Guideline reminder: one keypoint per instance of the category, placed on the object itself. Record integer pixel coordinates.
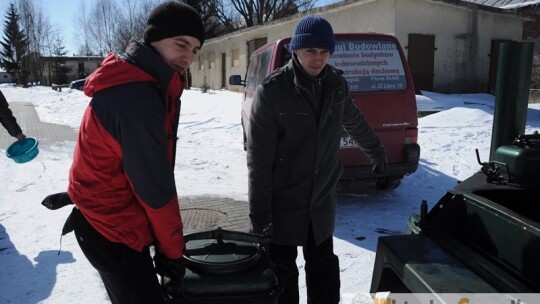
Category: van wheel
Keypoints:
(245, 139)
(388, 183)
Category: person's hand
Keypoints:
(174, 269)
(56, 201)
(379, 164)
(264, 229)
(261, 226)
(20, 136)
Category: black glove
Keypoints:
(174, 269)
(56, 201)
(379, 164)
(20, 136)
(260, 226)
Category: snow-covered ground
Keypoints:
(211, 161)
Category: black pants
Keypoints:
(128, 275)
(322, 272)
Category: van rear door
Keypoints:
(381, 85)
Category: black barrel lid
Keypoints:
(221, 255)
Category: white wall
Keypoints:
(463, 38)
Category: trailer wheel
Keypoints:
(388, 183)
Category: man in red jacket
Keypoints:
(122, 179)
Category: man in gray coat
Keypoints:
(295, 128)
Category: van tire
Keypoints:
(388, 183)
(245, 139)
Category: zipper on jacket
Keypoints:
(293, 113)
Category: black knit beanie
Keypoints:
(313, 32)
(171, 19)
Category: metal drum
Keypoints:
(225, 267)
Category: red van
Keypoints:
(381, 84)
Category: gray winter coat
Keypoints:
(293, 156)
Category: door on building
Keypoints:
(421, 55)
(254, 44)
(223, 70)
(493, 64)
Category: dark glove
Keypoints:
(260, 226)
(174, 269)
(379, 164)
(20, 136)
(56, 201)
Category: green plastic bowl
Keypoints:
(23, 151)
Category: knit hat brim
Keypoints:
(171, 19)
(313, 32)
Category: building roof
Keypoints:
(505, 4)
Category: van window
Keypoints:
(370, 65)
(264, 63)
(286, 55)
(250, 76)
(258, 69)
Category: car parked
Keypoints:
(77, 84)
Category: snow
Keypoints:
(520, 4)
(211, 161)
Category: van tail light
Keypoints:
(411, 136)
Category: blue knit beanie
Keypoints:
(313, 32)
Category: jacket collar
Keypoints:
(138, 63)
(301, 77)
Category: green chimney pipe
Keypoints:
(512, 96)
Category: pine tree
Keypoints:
(15, 47)
(59, 67)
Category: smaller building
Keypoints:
(5, 77)
(74, 67)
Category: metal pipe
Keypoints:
(512, 95)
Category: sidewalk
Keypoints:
(28, 120)
(198, 213)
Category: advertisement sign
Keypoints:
(370, 65)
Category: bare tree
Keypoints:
(133, 21)
(38, 30)
(109, 25)
(103, 25)
(236, 14)
(212, 25)
(81, 22)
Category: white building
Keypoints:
(451, 45)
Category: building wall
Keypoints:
(5, 77)
(89, 64)
(463, 37)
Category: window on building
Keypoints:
(235, 62)
(201, 62)
(80, 68)
(212, 60)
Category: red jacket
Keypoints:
(122, 177)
